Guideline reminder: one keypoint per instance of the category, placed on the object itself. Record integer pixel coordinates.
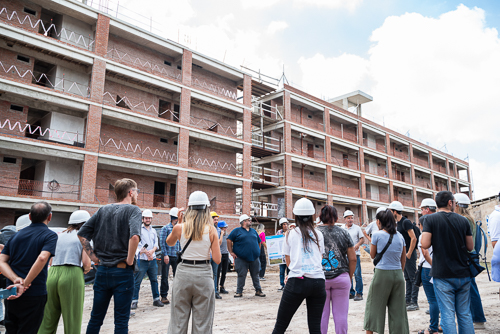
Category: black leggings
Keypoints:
(296, 290)
(263, 261)
(224, 262)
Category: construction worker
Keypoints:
(370, 229)
(215, 266)
(169, 253)
(146, 260)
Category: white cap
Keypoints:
(293, 224)
(22, 222)
(79, 216)
(174, 212)
(348, 213)
(198, 198)
(428, 202)
(283, 220)
(396, 206)
(462, 200)
(147, 214)
(244, 217)
(304, 207)
(382, 208)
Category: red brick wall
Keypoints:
(18, 7)
(140, 142)
(225, 197)
(10, 64)
(145, 59)
(212, 159)
(316, 122)
(355, 208)
(204, 119)
(338, 159)
(318, 152)
(7, 217)
(9, 175)
(101, 35)
(312, 182)
(13, 117)
(203, 79)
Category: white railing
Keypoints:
(268, 143)
(264, 109)
(266, 175)
(263, 209)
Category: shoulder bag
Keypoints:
(473, 258)
(179, 254)
(418, 275)
(378, 257)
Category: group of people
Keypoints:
(320, 261)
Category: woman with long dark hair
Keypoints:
(387, 290)
(303, 249)
(339, 263)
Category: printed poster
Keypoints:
(274, 249)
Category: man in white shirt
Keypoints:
(494, 224)
(357, 239)
(370, 229)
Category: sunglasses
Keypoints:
(136, 189)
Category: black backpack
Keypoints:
(417, 231)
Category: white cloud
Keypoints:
(259, 4)
(348, 4)
(276, 26)
(483, 186)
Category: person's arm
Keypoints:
(87, 247)
(215, 246)
(351, 256)
(221, 237)
(230, 248)
(87, 264)
(367, 236)
(403, 258)
(361, 240)
(493, 243)
(373, 251)
(413, 242)
(174, 235)
(427, 255)
(6, 270)
(287, 260)
(426, 240)
(132, 246)
(163, 239)
(469, 242)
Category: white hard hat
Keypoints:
(304, 207)
(382, 208)
(22, 222)
(428, 202)
(244, 217)
(293, 224)
(283, 220)
(396, 206)
(198, 198)
(462, 200)
(174, 212)
(348, 213)
(147, 214)
(79, 216)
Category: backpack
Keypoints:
(478, 244)
(417, 231)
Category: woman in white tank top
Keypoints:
(194, 290)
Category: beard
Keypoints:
(134, 201)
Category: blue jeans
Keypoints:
(282, 274)
(119, 284)
(431, 298)
(358, 278)
(476, 306)
(453, 296)
(150, 267)
(215, 266)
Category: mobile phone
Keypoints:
(6, 293)
(145, 246)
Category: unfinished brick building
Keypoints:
(86, 98)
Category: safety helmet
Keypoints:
(243, 217)
(303, 207)
(396, 206)
(23, 221)
(382, 208)
(428, 203)
(79, 216)
(283, 220)
(174, 212)
(198, 200)
(147, 214)
(221, 224)
(293, 224)
(213, 214)
(462, 200)
(348, 213)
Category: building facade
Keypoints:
(86, 99)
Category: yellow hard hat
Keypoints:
(214, 214)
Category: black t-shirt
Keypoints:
(405, 225)
(24, 248)
(337, 240)
(111, 228)
(449, 260)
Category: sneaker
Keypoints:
(217, 296)
(165, 301)
(222, 290)
(158, 303)
(281, 288)
(134, 305)
(262, 278)
(428, 312)
(479, 325)
(351, 296)
(238, 295)
(132, 314)
(412, 307)
(358, 297)
(259, 293)
(408, 303)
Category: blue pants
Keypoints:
(358, 278)
(431, 298)
(119, 284)
(150, 267)
(453, 296)
(215, 266)
(283, 268)
(476, 306)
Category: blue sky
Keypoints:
(432, 67)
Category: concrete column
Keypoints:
(416, 215)
(328, 150)
(455, 170)
(431, 165)
(287, 137)
(362, 191)
(246, 197)
(360, 133)
(181, 189)
(391, 191)
(326, 121)
(89, 176)
(187, 67)
(457, 187)
(247, 162)
(447, 167)
(102, 35)
(387, 144)
(97, 80)
(288, 170)
(449, 184)
(415, 200)
(329, 200)
(413, 175)
(329, 179)
(364, 214)
(410, 151)
(288, 203)
(185, 107)
(433, 185)
(361, 159)
(93, 128)
(247, 90)
(183, 148)
(287, 106)
(389, 168)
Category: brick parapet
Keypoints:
(102, 35)
(187, 67)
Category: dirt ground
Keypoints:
(252, 314)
